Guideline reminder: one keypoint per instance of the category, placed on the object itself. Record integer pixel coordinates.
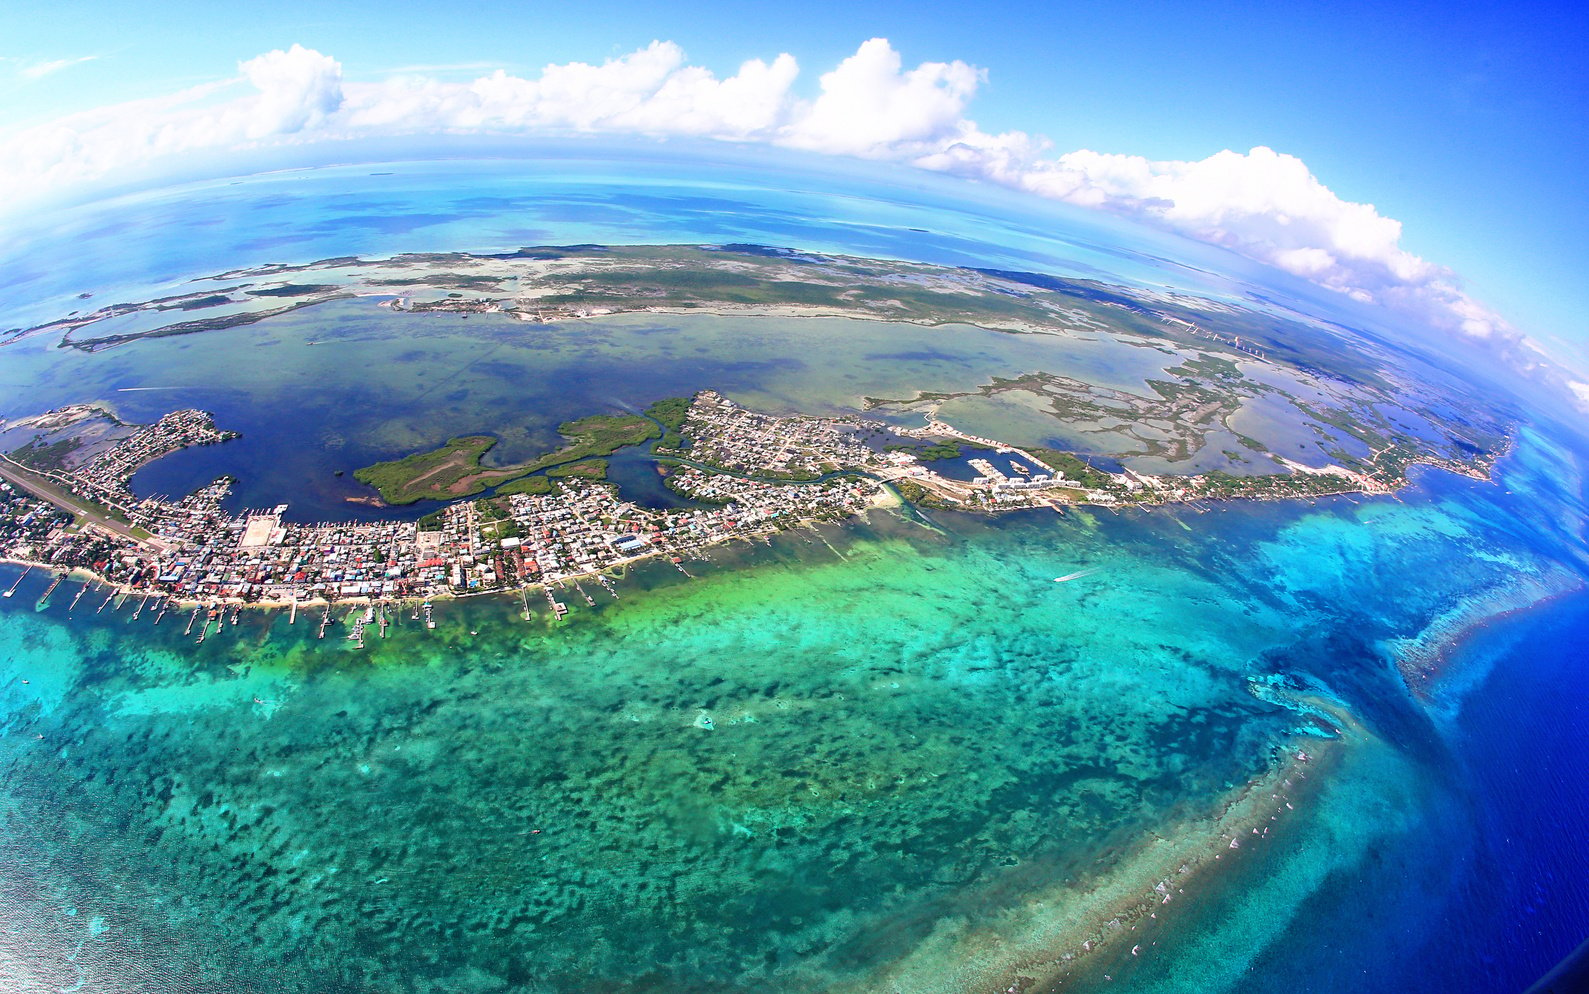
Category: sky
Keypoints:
(1429, 157)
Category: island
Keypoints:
(454, 470)
(552, 522)
(1182, 433)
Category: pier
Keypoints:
(44, 599)
(558, 607)
(18, 583)
(356, 636)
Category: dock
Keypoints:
(356, 636)
(18, 583)
(558, 607)
(44, 599)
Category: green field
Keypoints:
(439, 474)
(588, 469)
(454, 471)
(539, 486)
(597, 435)
(1072, 467)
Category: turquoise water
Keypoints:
(892, 756)
(790, 773)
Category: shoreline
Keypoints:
(1073, 931)
(1424, 660)
(366, 600)
(887, 498)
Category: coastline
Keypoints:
(879, 502)
(1073, 931)
(1424, 660)
(886, 497)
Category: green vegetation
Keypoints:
(589, 469)
(929, 453)
(454, 470)
(915, 493)
(437, 474)
(537, 485)
(48, 457)
(1219, 484)
(431, 522)
(786, 475)
(597, 435)
(491, 510)
(1072, 467)
(1211, 366)
(671, 412)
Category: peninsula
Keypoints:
(551, 523)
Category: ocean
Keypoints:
(1250, 747)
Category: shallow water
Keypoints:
(877, 757)
(784, 774)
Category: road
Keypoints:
(67, 502)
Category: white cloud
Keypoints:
(34, 69)
(870, 106)
(298, 89)
(1262, 204)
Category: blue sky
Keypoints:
(1468, 123)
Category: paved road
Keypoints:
(60, 498)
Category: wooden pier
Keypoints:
(18, 583)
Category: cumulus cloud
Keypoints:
(298, 89)
(1261, 203)
(1267, 206)
(871, 106)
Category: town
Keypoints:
(745, 474)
